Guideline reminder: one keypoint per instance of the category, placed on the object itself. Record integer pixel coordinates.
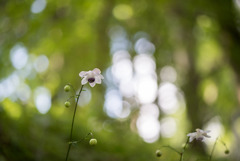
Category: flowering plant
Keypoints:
(93, 77)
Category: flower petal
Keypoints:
(101, 76)
(92, 84)
(84, 80)
(82, 73)
(191, 139)
(98, 80)
(97, 71)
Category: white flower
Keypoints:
(198, 135)
(92, 76)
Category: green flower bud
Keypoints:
(226, 151)
(158, 153)
(93, 142)
(67, 104)
(67, 88)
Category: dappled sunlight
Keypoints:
(38, 6)
(42, 99)
(210, 93)
(85, 97)
(168, 127)
(19, 56)
(144, 46)
(122, 11)
(216, 128)
(136, 76)
(144, 64)
(146, 89)
(148, 128)
(168, 74)
(167, 98)
(41, 63)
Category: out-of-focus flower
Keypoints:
(198, 135)
(92, 76)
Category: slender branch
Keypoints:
(210, 158)
(184, 148)
(72, 88)
(70, 143)
(167, 146)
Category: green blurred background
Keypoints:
(169, 66)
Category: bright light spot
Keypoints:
(148, 128)
(139, 35)
(19, 56)
(38, 6)
(127, 88)
(237, 3)
(42, 99)
(119, 39)
(9, 85)
(24, 92)
(216, 128)
(146, 90)
(167, 98)
(41, 63)
(114, 106)
(144, 64)
(143, 46)
(85, 97)
(168, 127)
(150, 110)
(120, 55)
(123, 12)
(122, 70)
(210, 93)
(168, 74)
(117, 33)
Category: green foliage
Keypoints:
(199, 39)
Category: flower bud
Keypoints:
(67, 88)
(158, 153)
(226, 151)
(67, 104)
(93, 142)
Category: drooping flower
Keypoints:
(92, 76)
(198, 135)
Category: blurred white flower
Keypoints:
(92, 76)
(198, 135)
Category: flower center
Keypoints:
(91, 80)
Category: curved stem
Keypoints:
(210, 158)
(167, 146)
(184, 148)
(70, 143)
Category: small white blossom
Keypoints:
(92, 76)
(198, 135)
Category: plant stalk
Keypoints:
(75, 109)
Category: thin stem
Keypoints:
(167, 146)
(210, 158)
(72, 88)
(184, 148)
(70, 143)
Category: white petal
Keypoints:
(98, 80)
(101, 76)
(82, 73)
(191, 134)
(84, 80)
(191, 139)
(97, 71)
(207, 136)
(92, 84)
